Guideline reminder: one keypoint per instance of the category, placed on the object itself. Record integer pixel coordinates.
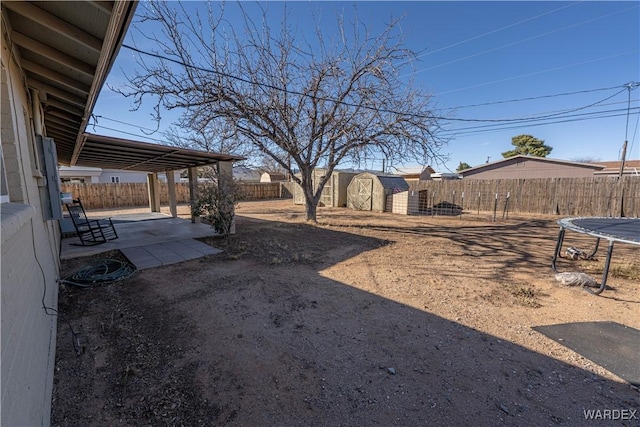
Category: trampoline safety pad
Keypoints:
(609, 344)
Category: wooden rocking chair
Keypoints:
(90, 231)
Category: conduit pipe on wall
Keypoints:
(36, 106)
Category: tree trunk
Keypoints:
(310, 209)
(310, 201)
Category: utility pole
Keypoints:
(630, 86)
(624, 155)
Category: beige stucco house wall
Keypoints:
(30, 259)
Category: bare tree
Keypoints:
(209, 139)
(304, 104)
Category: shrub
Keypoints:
(217, 202)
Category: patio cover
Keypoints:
(116, 153)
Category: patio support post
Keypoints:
(154, 192)
(171, 187)
(225, 170)
(193, 189)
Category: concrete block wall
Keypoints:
(29, 273)
(29, 264)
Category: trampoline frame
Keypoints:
(567, 223)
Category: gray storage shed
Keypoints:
(368, 191)
(334, 193)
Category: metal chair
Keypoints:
(90, 231)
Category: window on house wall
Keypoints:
(115, 179)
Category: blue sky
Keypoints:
(481, 53)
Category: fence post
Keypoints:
(505, 212)
(453, 203)
(495, 208)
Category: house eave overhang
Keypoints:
(65, 51)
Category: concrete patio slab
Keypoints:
(159, 254)
(150, 240)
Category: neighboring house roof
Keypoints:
(417, 172)
(67, 49)
(413, 170)
(631, 167)
(510, 160)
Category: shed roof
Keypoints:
(395, 183)
(390, 182)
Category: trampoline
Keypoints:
(624, 230)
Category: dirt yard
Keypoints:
(364, 319)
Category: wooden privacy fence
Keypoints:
(597, 196)
(124, 195)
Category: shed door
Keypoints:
(365, 188)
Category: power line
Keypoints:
(496, 30)
(126, 133)
(531, 98)
(592, 113)
(499, 122)
(122, 123)
(543, 116)
(537, 72)
(635, 133)
(294, 92)
(482, 131)
(629, 87)
(497, 128)
(472, 130)
(520, 41)
(95, 123)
